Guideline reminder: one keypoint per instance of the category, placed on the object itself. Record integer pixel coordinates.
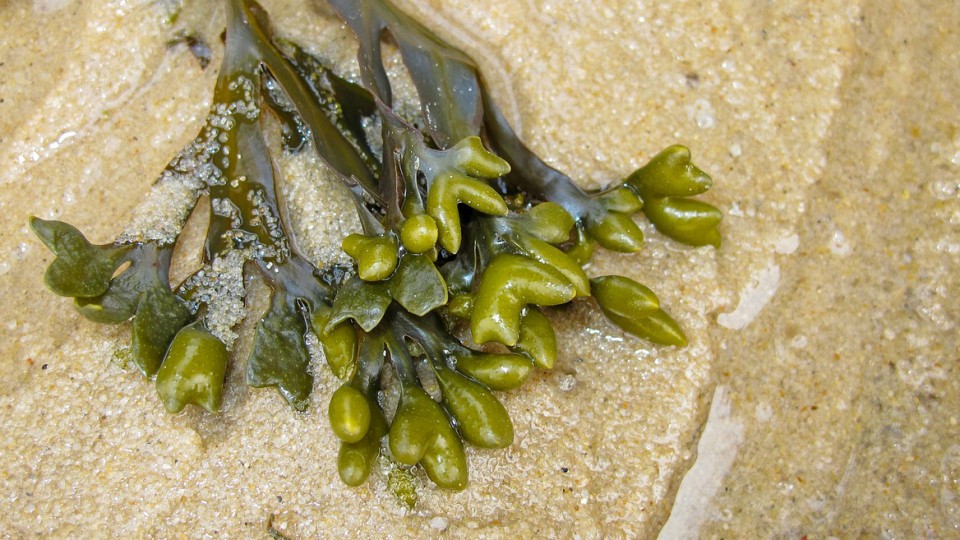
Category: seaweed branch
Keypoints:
(467, 236)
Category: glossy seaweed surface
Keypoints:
(467, 235)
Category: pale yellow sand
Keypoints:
(828, 318)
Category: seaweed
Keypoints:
(466, 236)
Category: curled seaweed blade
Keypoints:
(685, 220)
(280, 357)
(160, 315)
(671, 173)
(81, 269)
(635, 308)
(417, 285)
(364, 302)
(193, 370)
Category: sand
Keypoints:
(822, 369)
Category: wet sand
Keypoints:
(822, 369)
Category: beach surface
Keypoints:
(820, 392)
